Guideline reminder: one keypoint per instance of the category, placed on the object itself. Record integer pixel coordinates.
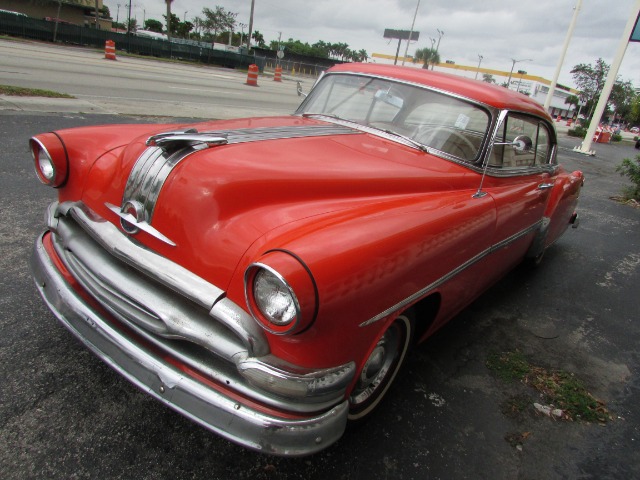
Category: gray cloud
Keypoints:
(499, 30)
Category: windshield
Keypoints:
(433, 119)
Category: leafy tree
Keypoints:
(631, 170)
(622, 96)
(590, 80)
(132, 25)
(198, 24)
(218, 20)
(183, 29)
(153, 25)
(360, 56)
(258, 38)
(634, 114)
(572, 100)
(428, 57)
(173, 23)
(488, 78)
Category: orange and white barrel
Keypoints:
(252, 76)
(278, 75)
(110, 50)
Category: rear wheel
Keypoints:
(381, 367)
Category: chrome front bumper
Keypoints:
(206, 403)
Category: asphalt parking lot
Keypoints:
(64, 414)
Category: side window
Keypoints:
(514, 125)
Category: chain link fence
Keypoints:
(48, 31)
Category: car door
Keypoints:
(520, 184)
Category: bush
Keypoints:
(631, 169)
(616, 137)
(580, 132)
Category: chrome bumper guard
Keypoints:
(135, 357)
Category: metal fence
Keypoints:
(35, 29)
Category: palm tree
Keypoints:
(428, 56)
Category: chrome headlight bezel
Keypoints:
(269, 289)
(50, 159)
(281, 294)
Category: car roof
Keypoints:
(492, 95)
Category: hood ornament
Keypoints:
(132, 220)
(186, 138)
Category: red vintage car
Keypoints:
(266, 277)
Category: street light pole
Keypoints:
(440, 34)
(480, 57)
(410, 32)
(242, 25)
(513, 65)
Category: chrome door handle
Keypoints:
(545, 186)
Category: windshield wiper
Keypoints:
(409, 140)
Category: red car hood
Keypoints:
(219, 201)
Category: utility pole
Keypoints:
(169, 20)
(253, 2)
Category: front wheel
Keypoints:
(381, 367)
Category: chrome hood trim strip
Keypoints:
(167, 150)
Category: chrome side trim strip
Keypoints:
(432, 286)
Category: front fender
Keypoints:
(368, 259)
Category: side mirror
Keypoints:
(521, 144)
(299, 89)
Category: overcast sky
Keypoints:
(499, 30)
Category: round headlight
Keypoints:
(281, 293)
(45, 165)
(274, 298)
(50, 159)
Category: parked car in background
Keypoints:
(266, 277)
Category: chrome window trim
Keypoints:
(437, 283)
(495, 115)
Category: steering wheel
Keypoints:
(428, 135)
